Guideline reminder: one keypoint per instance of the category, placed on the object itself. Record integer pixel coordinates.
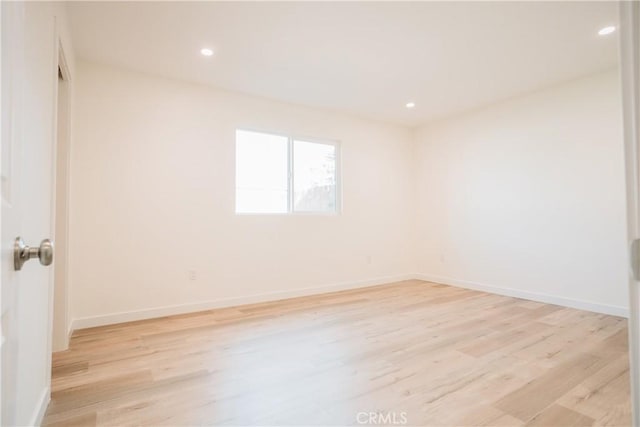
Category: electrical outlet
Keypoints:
(192, 275)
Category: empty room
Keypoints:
(320, 213)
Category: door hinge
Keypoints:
(634, 257)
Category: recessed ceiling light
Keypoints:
(410, 105)
(206, 51)
(606, 30)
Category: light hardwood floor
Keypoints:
(431, 354)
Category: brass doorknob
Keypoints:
(23, 253)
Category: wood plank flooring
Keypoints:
(412, 353)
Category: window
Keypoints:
(279, 174)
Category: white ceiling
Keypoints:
(364, 58)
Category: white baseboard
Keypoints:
(129, 316)
(41, 408)
(533, 296)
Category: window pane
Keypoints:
(314, 177)
(262, 166)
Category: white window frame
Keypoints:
(291, 138)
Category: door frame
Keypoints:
(62, 64)
(630, 76)
(59, 60)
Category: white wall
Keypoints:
(152, 197)
(526, 197)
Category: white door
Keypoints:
(12, 39)
(630, 55)
(29, 76)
